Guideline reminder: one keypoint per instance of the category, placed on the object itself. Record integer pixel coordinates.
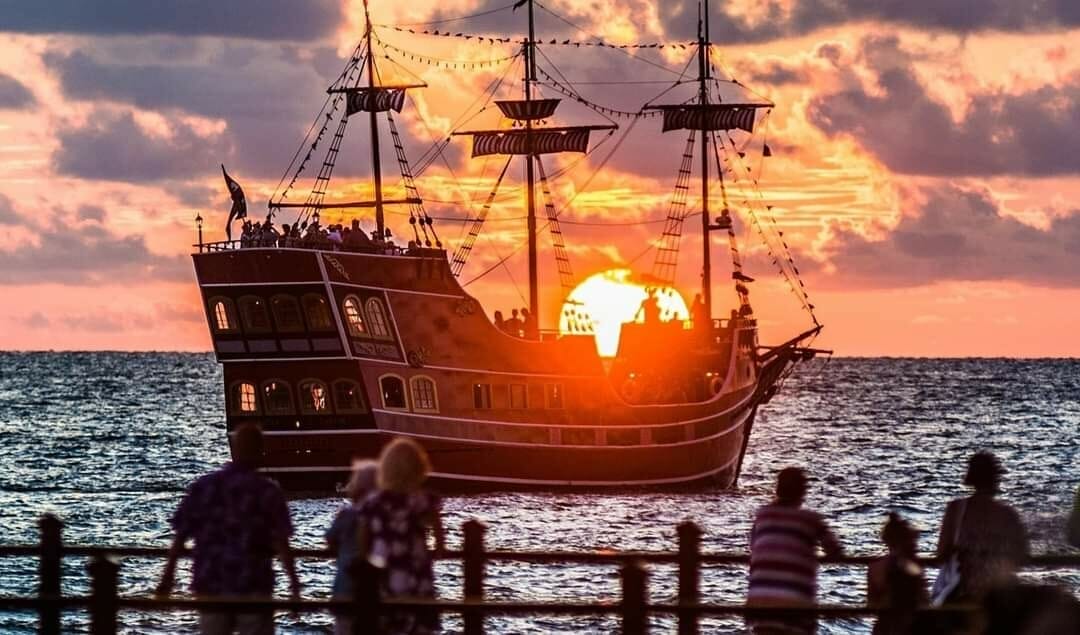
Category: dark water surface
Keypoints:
(108, 441)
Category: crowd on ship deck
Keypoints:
(519, 324)
(314, 235)
(238, 519)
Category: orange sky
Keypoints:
(925, 164)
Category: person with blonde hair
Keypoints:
(394, 528)
(343, 536)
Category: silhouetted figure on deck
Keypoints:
(896, 581)
(500, 322)
(783, 555)
(528, 327)
(699, 314)
(514, 325)
(650, 308)
(238, 520)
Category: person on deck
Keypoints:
(343, 536)
(698, 314)
(514, 325)
(500, 322)
(783, 555)
(650, 308)
(986, 534)
(239, 520)
(527, 325)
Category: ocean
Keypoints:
(108, 441)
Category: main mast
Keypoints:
(532, 328)
(703, 98)
(376, 167)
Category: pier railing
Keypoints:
(633, 609)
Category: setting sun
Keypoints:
(604, 301)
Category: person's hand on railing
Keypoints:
(165, 586)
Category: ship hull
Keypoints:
(335, 354)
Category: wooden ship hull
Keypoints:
(335, 353)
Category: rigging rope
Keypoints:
(457, 263)
(667, 255)
(562, 259)
(454, 19)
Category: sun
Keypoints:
(603, 302)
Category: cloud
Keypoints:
(958, 234)
(8, 215)
(733, 23)
(1033, 133)
(261, 19)
(115, 148)
(13, 94)
(74, 248)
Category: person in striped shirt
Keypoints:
(783, 555)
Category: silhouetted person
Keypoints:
(650, 309)
(343, 537)
(783, 555)
(984, 533)
(514, 325)
(527, 325)
(238, 520)
(1024, 609)
(500, 322)
(394, 525)
(699, 314)
(896, 580)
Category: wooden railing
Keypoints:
(633, 609)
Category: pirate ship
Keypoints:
(336, 346)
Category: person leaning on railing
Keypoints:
(238, 519)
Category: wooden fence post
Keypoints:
(104, 574)
(634, 612)
(474, 560)
(689, 575)
(50, 561)
(367, 597)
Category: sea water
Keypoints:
(108, 441)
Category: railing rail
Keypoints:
(633, 609)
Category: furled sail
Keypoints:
(374, 100)
(528, 109)
(544, 141)
(710, 117)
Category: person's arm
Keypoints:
(281, 546)
(875, 584)
(829, 542)
(945, 544)
(168, 575)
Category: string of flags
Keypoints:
(445, 63)
(604, 110)
(552, 42)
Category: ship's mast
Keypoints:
(703, 97)
(530, 179)
(376, 168)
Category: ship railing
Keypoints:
(633, 609)
(385, 250)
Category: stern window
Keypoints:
(393, 392)
(519, 399)
(424, 396)
(243, 398)
(481, 396)
(277, 398)
(314, 398)
(553, 396)
(223, 315)
(376, 316)
(286, 313)
(317, 310)
(354, 319)
(253, 311)
(347, 397)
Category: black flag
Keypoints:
(239, 204)
(518, 4)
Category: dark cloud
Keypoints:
(959, 234)
(261, 19)
(8, 215)
(83, 252)
(771, 21)
(1033, 133)
(116, 148)
(13, 94)
(91, 213)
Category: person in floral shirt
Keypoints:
(239, 520)
(394, 526)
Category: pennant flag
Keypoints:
(766, 151)
(518, 5)
(239, 203)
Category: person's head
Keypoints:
(356, 224)
(247, 445)
(791, 486)
(403, 466)
(363, 479)
(983, 472)
(524, 312)
(498, 316)
(514, 313)
(898, 535)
